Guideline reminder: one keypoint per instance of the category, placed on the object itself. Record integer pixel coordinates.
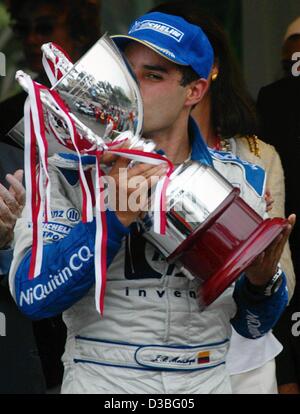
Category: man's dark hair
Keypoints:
(83, 17)
(233, 110)
(188, 75)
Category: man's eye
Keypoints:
(153, 76)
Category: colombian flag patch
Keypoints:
(203, 357)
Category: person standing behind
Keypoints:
(278, 106)
(226, 117)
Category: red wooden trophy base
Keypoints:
(225, 245)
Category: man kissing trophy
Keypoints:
(196, 216)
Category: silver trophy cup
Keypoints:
(102, 97)
(212, 233)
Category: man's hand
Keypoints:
(265, 266)
(132, 187)
(11, 205)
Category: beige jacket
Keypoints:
(258, 152)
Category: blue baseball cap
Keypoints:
(173, 38)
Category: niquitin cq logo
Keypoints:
(2, 324)
(2, 64)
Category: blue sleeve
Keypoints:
(6, 257)
(257, 314)
(67, 270)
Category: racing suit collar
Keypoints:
(200, 150)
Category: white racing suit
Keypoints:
(152, 337)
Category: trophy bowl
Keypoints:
(212, 233)
(101, 95)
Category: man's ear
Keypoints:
(196, 91)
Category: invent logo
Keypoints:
(2, 324)
(2, 64)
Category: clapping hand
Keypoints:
(11, 205)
